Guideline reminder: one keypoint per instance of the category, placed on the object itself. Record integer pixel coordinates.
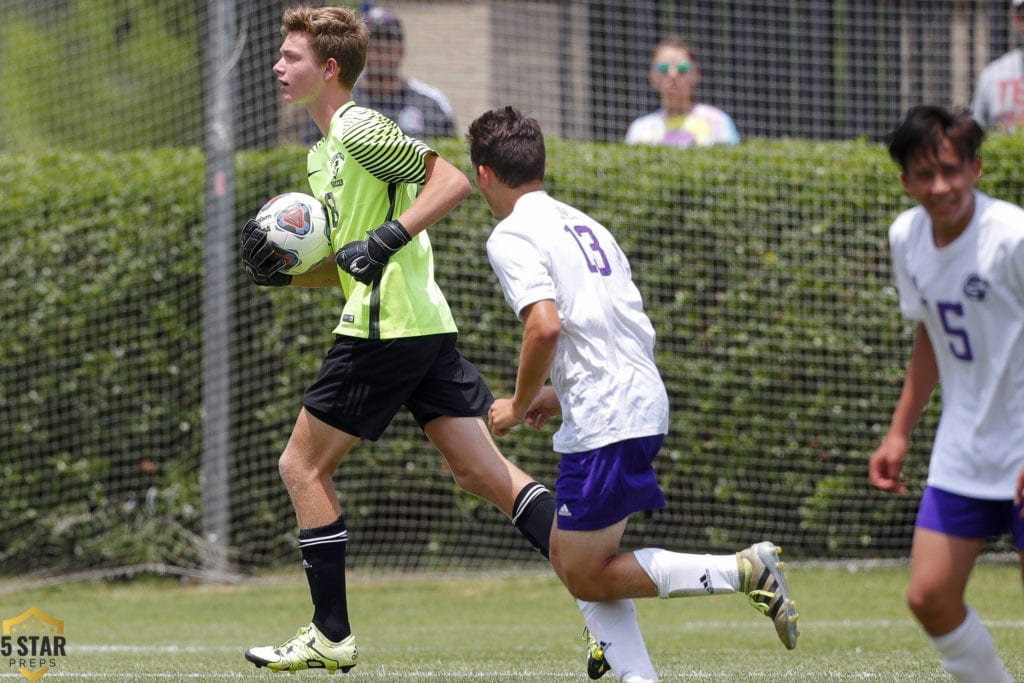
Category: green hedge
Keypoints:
(106, 61)
(764, 267)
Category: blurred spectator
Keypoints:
(680, 121)
(999, 98)
(420, 110)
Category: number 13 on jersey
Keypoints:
(589, 245)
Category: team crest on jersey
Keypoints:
(337, 161)
(975, 287)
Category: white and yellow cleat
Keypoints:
(307, 649)
(763, 582)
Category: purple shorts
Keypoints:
(595, 489)
(976, 518)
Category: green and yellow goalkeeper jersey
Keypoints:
(366, 171)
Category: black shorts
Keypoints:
(362, 383)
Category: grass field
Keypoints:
(854, 626)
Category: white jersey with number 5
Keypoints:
(604, 371)
(970, 296)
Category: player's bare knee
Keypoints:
(924, 604)
(470, 481)
(290, 469)
(584, 587)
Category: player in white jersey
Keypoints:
(569, 282)
(958, 259)
(998, 101)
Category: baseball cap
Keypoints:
(1018, 3)
(383, 24)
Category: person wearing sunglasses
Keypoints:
(998, 102)
(680, 121)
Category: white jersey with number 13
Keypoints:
(604, 371)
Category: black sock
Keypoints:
(323, 558)
(533, 513)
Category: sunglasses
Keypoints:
(681, 67)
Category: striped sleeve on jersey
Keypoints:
(380, 147)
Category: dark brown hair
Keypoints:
(510, 143)
(926, 126)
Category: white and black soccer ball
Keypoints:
(296, 224)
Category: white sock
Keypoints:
(968, 653)
(681, 574)
(614, 624)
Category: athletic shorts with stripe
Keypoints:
(362, 383)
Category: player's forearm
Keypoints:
(444, 189)
(535, 361)
(921, 379)
(324, 275)
(540, 343)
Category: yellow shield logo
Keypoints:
(32, 641)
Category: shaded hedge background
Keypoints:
(764, 268)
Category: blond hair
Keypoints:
(335, 33)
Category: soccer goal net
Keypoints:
(147, 388)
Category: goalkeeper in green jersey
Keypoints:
(395, 343)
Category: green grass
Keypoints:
(854, 626)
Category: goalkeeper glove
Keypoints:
(365, 259)
(260, 258)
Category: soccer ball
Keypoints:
(296, 224)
